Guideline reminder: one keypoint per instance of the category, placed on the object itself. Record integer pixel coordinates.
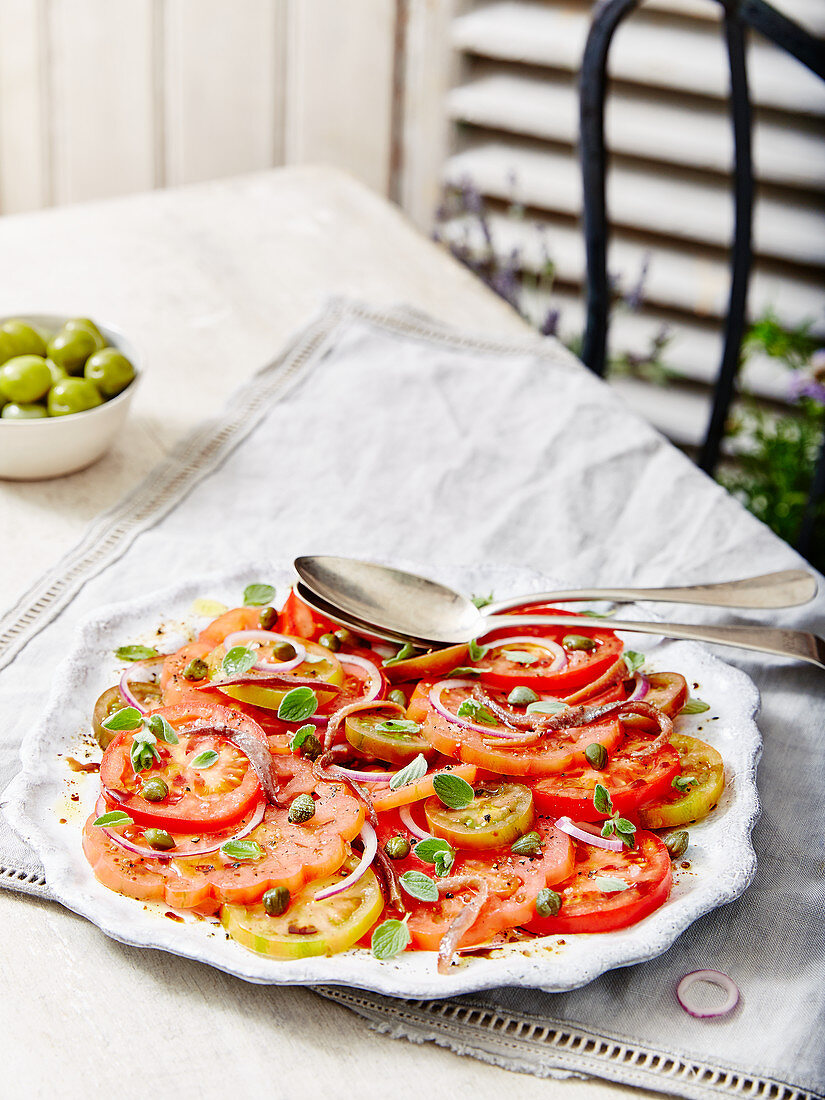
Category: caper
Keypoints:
(302, 809)
(330, 641)
(578, 641)
(155, 789)
(283, 651)
(548, 903)
(677, 844)
(268, 618)
(310, 747)
(397, 847)
(159, 839)
(521, 696)
(527, 845)
(596, 755)
(196, 669)
(397, 696)
(276, 901)
(344, 636)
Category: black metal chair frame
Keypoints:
(738, 16)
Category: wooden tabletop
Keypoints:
(208, 282)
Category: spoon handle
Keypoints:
(789, 588)
(798, 644)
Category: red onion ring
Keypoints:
(148, 670)
(586, 836)
(713, 977)
(375, 678)
(241, 637)
(370, 841)
(178, 853)
(438, 689)
(365, 777)
(559, 655)
(405, 813)
(465, 919)
(641, 689)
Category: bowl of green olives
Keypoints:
(66, 385)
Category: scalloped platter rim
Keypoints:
(722, 860)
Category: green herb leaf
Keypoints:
(428, 849)
(471, 708)
(143, 751)
(301, 735)
(237, 661)
(633, 660)
(256, 595)
(205, 759)
(683, 782)
(520, 656)
(464, 670)
(389, 939)
(626, 831)
(482, 601)
(398, 725)
(609, 885)
(410, 772)
(419, 885)
(609, 827)
(129, 718)
(113, 820)
(406, 650)
(443, 863)
(454, 792)
(135, 653)
(597, 614)
(298, 704)
(695, 706)
(602, 800)
(242, 850)
(522, 696)
(161, 729)
(477, 651)
(547, 706)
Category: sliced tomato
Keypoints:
(174, 685)
(588, 902)
(514, 882)
(238, 618)
(582, 667)
(631, 781)
(118, 869)
(299, 619)
(434, 665)
(199, 798)
(385, 798)
(672, 807)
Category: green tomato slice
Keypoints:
(498, 815)
(702, 761)
(309, 927)
(321, 665)
(397, 746)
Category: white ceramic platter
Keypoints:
(40, 807)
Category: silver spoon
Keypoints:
(402, 606)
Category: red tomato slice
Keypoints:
(210, 798)
(434, 666)
(583, 666)
(587, 908)
(299, 619)
(513, 881)
(174, 686)
(239, 618)
(630, 781)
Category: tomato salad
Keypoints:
(315, 792)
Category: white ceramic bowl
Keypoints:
(31, 450)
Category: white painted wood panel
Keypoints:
(25, 178)
(102, 97)
(340, 86)
(223, 82)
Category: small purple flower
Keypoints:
(804, 385)
(550, 324)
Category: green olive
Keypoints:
(397, 696)
(70, 350)
(16, 411)
(7, 348)
(302, 809)
(596, 755)
(85, 325)
(344, 636)
(276, 901)
(25, 379)
(578, 641)
(268, 618)
(397, 847)
(330, 641)
(283, 651)
(159, 839)
(73, 395)
(110, 371)
(197, 669)
(23, 339)
(57, 372)
(154, 790)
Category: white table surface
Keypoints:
(209, 282)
